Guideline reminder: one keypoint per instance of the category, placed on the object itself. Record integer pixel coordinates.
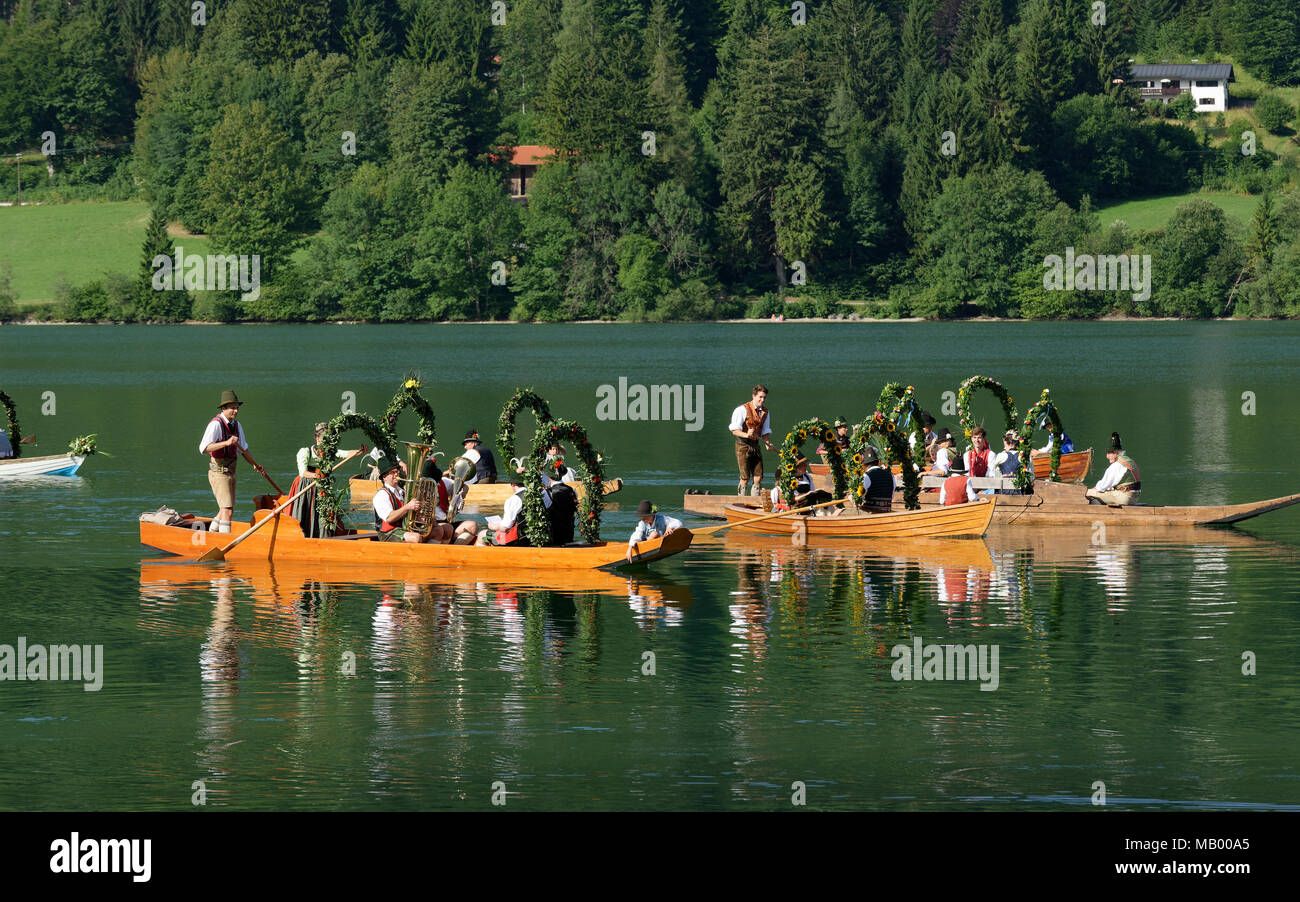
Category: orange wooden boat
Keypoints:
(1074, 466)
(479, 495)
(283, 541)
(953, 520)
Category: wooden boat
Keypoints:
(283, 541)
(54, 465)
(1073, 468)
(1059, 504)
(955, 520)
(478, 495)
(282, 582)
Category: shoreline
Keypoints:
(1110, 318)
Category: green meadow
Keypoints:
(78, 242)
(1154, 212)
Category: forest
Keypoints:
(737, 158)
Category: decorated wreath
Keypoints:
(1044, 408)
(382, 432)
(11, 414)
(790, 452)
(1024, 475)
(523, 397)
(896, 452)
(906, 414)
(85, 445)
(536, 523)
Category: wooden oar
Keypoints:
(219, 553)
(278, 490)
(798, 510)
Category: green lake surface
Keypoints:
(745, 674)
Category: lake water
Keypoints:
(736, 676)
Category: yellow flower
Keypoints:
(412, 383)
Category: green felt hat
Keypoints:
(229, 397)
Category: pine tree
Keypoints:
(166, 305)
(1263, 232)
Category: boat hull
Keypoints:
(953, 520)
(1058, 504)
(54, 465)
(478, 495)
(283, 541)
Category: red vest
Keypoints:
(979, 462)
(954, 490)
(384, 525)
(227, 430)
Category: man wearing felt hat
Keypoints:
(391, 506)
(485, 465)
(223, 441)
(945, 452)
(878, 484)
(653, 525)
(1121, 483)
(841, 438)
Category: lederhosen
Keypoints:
(880, 490)
(749, 454)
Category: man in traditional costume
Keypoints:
(223, 441)
(1121, 483)
(750, 424)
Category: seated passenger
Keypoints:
(878, 483)
(391, 506)
(957, 488)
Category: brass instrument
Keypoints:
(462, 470)
(424, 492)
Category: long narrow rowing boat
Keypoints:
(478, 495)
(284, 541)
(956, 520)
(1058, 504)
(54, 465)
(1073, 468)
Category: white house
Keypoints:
(1206, 82)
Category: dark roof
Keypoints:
(1185, 70)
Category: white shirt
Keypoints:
(941, 460)
(513, 508)
(213, 434)
(383, 504)
(971, 494)
(6, 449)
(1114, 473)
(738, 420)
(660, 524)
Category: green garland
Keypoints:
(1044, 407)
(85, 446)
(1024, 477)
(15, 434)
(896, 452)
(905, 404)
(328, 499)
(790, 452)
(536, 524)
(523, 397)
(382, 432)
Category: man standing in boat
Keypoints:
(1121, 483)
(750, 424)
(223, 441)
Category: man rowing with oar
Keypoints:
(223, 441)
(653, 525)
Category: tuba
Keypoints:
(462, 470)
(424, 492)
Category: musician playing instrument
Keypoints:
(391, 506)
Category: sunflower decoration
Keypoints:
(791, 452)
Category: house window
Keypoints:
(1207, 101)
(1207, 84)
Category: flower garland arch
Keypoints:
(790, 452)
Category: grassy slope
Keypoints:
(77, 241)
(1154, 212)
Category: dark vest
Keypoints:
(879, 483)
